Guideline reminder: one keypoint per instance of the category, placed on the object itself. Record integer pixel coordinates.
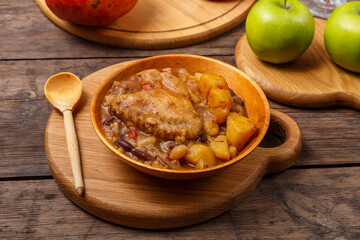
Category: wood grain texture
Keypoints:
(313, 80)
(159, 25)
(28, 34)
(318, 198)
(73, 151)
(114, 191)
(295, 204)
(330, 135)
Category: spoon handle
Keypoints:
(73, 150)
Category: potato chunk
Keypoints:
(219, 103)
(210, 127)
(209, 81)
(239, 129)
(201, 156)
(220, 147)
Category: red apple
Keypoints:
(90, 12)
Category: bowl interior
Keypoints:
(255, 101)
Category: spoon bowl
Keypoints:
(63, 90)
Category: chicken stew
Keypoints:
(171, 118)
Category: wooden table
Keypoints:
(318, 198)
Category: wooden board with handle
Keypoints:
(313, 80)
(158, 24)
(120, 194)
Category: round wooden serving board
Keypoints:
(120, 194)
(159, 24)
(313, 80)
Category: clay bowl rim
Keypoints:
(128, 160)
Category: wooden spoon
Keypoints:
(63, 90)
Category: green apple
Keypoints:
(279, 31)
(342, 36)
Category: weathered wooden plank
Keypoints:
(296, 204)
(25, 33)
(25, 110)
(331, 135)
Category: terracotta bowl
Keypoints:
(254, 98)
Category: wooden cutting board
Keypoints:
(313, 80)
(159, 24)
(120, 194)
